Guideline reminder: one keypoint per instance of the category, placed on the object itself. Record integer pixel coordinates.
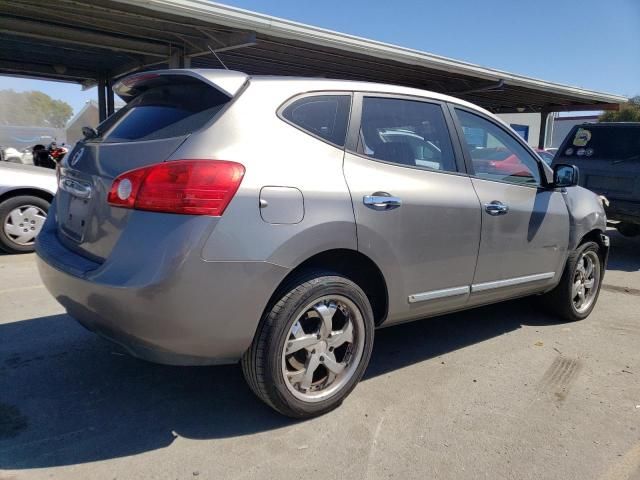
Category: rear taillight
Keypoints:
(194, 187)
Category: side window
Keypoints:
(406, 132)
(326, 116)
(495, 154)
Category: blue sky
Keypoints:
(593, 44)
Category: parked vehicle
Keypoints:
(14, 155)
(58, 152)
(50, 156)
(546, 155)
(500, 160)
(25, 195)
(219, 217)
(608, 156)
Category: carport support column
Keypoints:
(110, 99)
(544, 114)
(102, 101)
(176, 59)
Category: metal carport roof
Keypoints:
(91, 41)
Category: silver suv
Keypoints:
(219, 217)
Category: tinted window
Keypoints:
(546, 156)
(163, 112)
(406, 132)
(326, 116)
(495, 154)
(610, 143)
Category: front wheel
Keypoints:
(575, 297)
(312, 346)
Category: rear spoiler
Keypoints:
(228, 82)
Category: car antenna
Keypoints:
(216, 55)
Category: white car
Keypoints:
(25, 195)
(13, 155)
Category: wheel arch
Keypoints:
(595, 235)
(352, 264)
(35, 192)
(598, 236)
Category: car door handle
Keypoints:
(496, 208)
(381, 201)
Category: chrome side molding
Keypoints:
(481, 287)
(478, 287)
(434, 294)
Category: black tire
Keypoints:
(262, 363)
(559, 301)
(6, 243)
(628, 229)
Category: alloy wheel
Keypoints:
(586, 280)
(323, 348)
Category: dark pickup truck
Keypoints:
(608, 157)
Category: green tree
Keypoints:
(629, 112)
(33, 109)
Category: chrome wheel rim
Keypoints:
(23, 224)
(323, 348)
(586, 279)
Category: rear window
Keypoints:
(610, 143)
(325, 116)
(163, 112)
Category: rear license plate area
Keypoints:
(73, 223)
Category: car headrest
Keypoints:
(396, 152)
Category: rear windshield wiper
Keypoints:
(632, 157)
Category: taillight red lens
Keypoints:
(194, 187)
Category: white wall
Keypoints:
(530, 119)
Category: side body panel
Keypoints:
(275, 154)
(426, 248)
(427, 245)
(14, 176)
(526, 247)
(586, 213)
(523, 248)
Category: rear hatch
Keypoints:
(163, 108)
(608, 157)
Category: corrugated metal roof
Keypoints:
(83, 40)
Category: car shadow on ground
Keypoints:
(68, 397)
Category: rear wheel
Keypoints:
(312, 345)
(577, 293)
(21, 219)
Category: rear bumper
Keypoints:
(160, 300)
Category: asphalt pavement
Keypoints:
(500, 392)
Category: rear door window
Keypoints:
(406, 132)
(617, 143)
(163, 112)
(325, 116)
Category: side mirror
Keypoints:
(89, 133)
(565, 175)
